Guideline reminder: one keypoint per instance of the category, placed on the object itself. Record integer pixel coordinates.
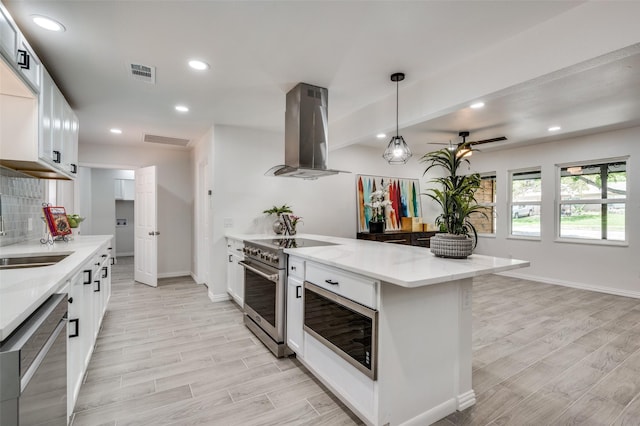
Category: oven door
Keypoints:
(264, 297)
(346, 327)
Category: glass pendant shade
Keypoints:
(397, 151)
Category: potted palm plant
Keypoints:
(456, 198)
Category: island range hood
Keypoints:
(306, 134)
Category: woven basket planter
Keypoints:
(451, 246)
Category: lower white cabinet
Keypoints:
(89, 292)
(235, 271)
(295, 312)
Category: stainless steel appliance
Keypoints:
(346, 327)
(306, 145)
(265, 269)
(33, 367)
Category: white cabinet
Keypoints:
(89, 292)
(58, 129)
(8, 35)
(75, 361)
(39, 132)
(295, 305)
(235, 271)
(295, 312)
(17, 51)
(124, 189)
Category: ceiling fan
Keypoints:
(465, 134)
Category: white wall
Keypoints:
(241, 192)
(175, 196)
(598, 267)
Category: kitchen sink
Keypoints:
(31, 261)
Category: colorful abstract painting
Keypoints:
(404, 195)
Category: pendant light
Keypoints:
(397, 151)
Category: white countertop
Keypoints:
(23, 290)
(406, 266)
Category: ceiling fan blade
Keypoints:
(498, 139)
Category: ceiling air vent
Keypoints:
(165, 140)
(143, 72)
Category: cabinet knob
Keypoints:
(70, 300)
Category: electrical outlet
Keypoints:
(30, 224)
(228, 222)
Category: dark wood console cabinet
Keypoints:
(421, 239)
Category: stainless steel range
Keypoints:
(265, 280)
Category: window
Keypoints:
(486, 197)
(592, 201)
(526, 196)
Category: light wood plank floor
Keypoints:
(543, 355)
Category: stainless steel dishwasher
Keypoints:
(33, 368)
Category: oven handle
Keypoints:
(271, 277)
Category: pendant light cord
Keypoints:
(397, 107)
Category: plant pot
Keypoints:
(376, 227)
(451, 246)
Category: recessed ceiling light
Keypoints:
(554, 128)
(47, 23)
(477, 105)
(182, 108)
(198, 65)
(116, 131)
(381, 135)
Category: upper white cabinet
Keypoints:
(8, 35)
(17, 51)
(39, 132)
(58, 129)
(124, 189)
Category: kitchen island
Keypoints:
(415, 367)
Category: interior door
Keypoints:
(146, 227)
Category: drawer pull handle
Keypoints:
(298, 295)
(396, 241)
(56, 157)
(331, 282)
(423, 239)
(87, 277)
(98, 290)
(230, 258)
(76, 321)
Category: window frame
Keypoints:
(599, 201)
(511, 204)
(493, 204)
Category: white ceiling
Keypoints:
(258, 50)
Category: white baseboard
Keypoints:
(174, 274)
(433, 415)
(572, 284)
(197, 280)
(218, 297)
(466, 400)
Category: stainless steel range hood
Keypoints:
(306, 134)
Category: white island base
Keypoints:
(424, 357)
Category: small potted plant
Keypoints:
(379, 204)
(456, 198)
(278, 225)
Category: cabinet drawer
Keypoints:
(295, 267)
(422, 239)
(355, 287)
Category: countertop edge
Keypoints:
(90, 246)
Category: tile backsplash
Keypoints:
(21, 199)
